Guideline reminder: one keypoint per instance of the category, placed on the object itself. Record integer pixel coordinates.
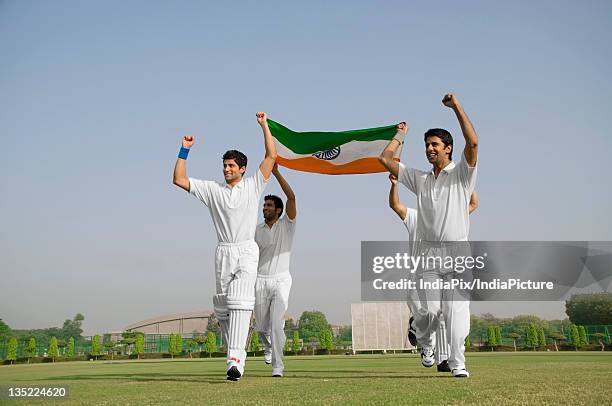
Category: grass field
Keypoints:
(499, 378)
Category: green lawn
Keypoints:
(502, 378)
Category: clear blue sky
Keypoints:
(95, 96)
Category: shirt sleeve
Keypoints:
(408, 177)
(259, 182)
(289, 224)
(467, 174)
(411, 222)
(201, 189)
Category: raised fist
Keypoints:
(393, 179)
(188, 141)
(402, 127)
(450, 100)
(261, 117)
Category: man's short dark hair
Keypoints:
(445, 136)
(278, 202)
(239, 157)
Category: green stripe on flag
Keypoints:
(314, 141)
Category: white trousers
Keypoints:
(235, 275)
(447, 305)
(271, 301)
(452, 306)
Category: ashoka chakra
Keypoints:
(328, 155)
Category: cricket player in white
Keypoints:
(409, 219)
(233, 206)
(443, 196)
(274, 237)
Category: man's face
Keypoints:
(231, 171)
(435, 150)
(269, 210)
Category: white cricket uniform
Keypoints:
(442, 347)
(234, 214)
(273, 286)
(443, 216)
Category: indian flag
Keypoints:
(332, 153)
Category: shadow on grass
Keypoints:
(150, 377)
(216, 378)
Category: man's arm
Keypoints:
(473, 202)
(471, 139)
(180, 178)
(268, 162)
(386, 157)
(394, 201)
(290, 207)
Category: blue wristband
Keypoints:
(183, 153)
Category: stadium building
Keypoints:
(184, 324)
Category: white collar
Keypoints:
(447, 168)
(238, 185)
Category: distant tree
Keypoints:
(514, 336)
(211, 343)
(312, 324)
(200, 340)
(254, 342)
(70, 347)
(72, 328)
(96, 345)
(329, 340)
(590, 309)
(326, 340)
(491, 337)
(600, 337)
(171, 345)
(498, 336)
(541, 337)
(468, 342)
(30, 349)
(139, 344)
(532, 336)
(53, 351)
(295, 344)
(575, 336)
(558, 338)
(175, 346)
(583, 336)
(5, 332)
(11, 350)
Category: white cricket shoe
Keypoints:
(268, 356)
(427, 357)
(461, 373)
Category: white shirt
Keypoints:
(442, 203)
(233, 209)
(275, 246)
